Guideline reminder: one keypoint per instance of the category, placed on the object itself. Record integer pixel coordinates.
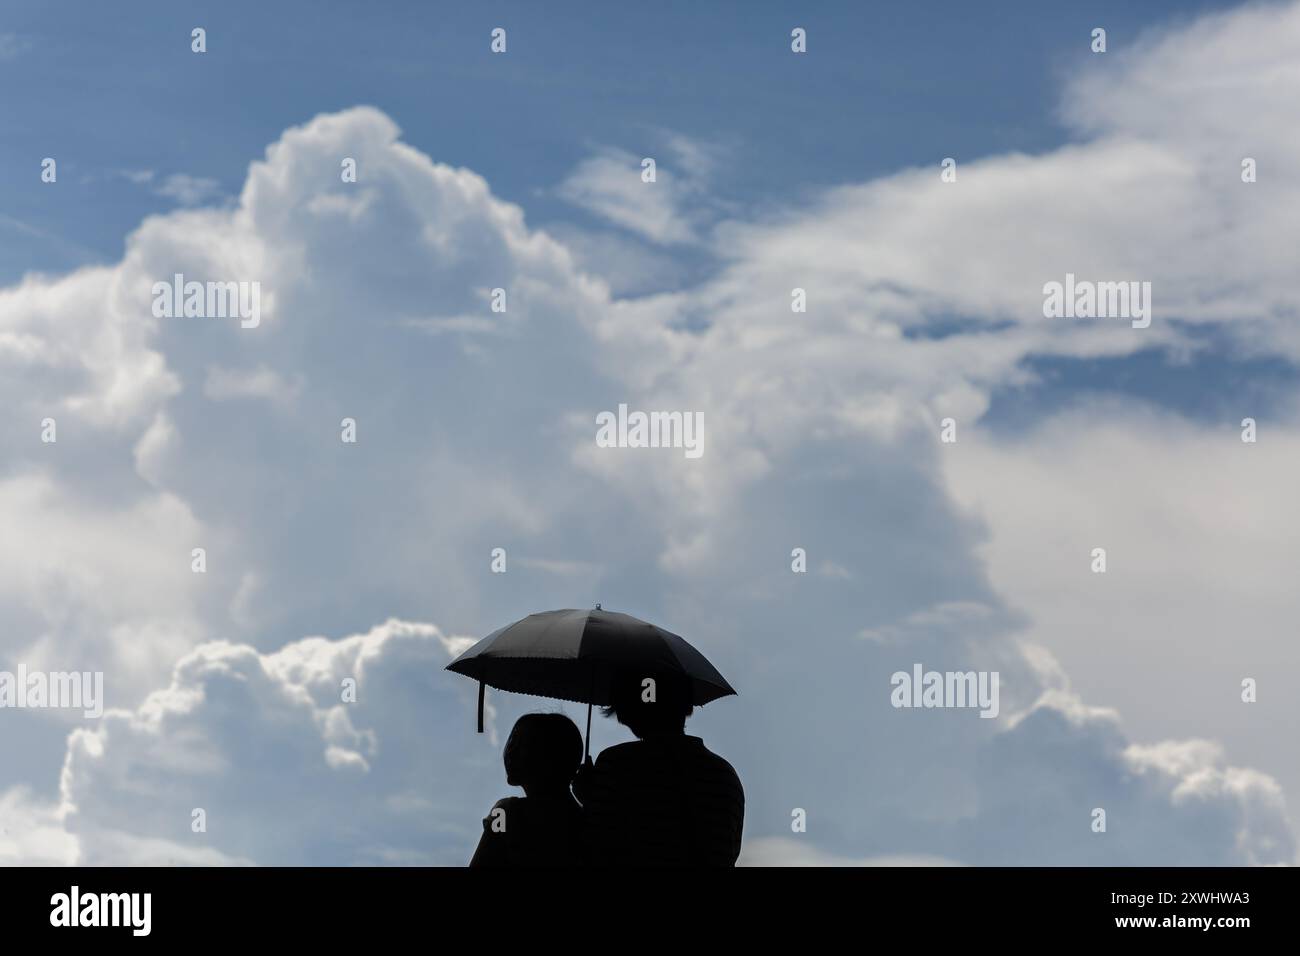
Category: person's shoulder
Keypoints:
(506, 806)
(719, 763)
(619, 753)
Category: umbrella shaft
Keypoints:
(586, 748)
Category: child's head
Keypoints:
(543, 752)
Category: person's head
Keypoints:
(542, 752)
(650, 704)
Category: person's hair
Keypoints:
(665, 714)
(542, 750)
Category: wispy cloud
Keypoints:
(224, 384)
(188, 190)
(12, 46)
(573, 569)
(670, 210)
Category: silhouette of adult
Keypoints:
(541, 828)
(664, 799)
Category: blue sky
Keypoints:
(777, 171)
(890, 86)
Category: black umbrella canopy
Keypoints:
(575, 654)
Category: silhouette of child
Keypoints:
(542, 828)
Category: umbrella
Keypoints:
(575, 654)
